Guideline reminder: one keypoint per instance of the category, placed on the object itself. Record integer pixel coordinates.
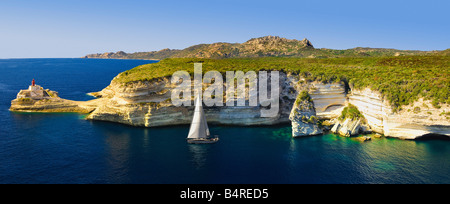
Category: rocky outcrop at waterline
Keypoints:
(51, 106)
(303, 117)
(38, 99)
(349, 127)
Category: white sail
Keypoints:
(199, 126)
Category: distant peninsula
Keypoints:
(268, 46)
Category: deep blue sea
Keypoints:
(65, 148)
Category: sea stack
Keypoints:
(303, 117)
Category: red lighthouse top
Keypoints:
(33, 83)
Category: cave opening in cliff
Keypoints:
(433, 136)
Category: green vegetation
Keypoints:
(401, 80)
(445, 113)
(351, 112)
(304, 119)
(304, 96)
(311, 120)
(435, 103)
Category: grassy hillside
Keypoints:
(401, 80)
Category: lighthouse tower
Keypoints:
(34, 87)
(36, 91)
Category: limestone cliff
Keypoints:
(147, 103)
(413, 121)
(38, 99)
(329, 99)
(303, 117)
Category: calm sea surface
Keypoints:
(65, 148)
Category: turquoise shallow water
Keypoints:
(64, 148)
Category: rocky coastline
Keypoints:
(38, 99)
(147, 104)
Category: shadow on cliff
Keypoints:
(433, 137)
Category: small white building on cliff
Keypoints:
(36, 92)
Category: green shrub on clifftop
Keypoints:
(304, 96)
(350, 112)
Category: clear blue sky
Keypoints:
(73, 28)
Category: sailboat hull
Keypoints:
(203, 140)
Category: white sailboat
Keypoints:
(199, 132)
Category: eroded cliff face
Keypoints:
(372, 106)
(413, 121)
(329, 99)
(304, 119)
(417, 120)
(148, 104)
